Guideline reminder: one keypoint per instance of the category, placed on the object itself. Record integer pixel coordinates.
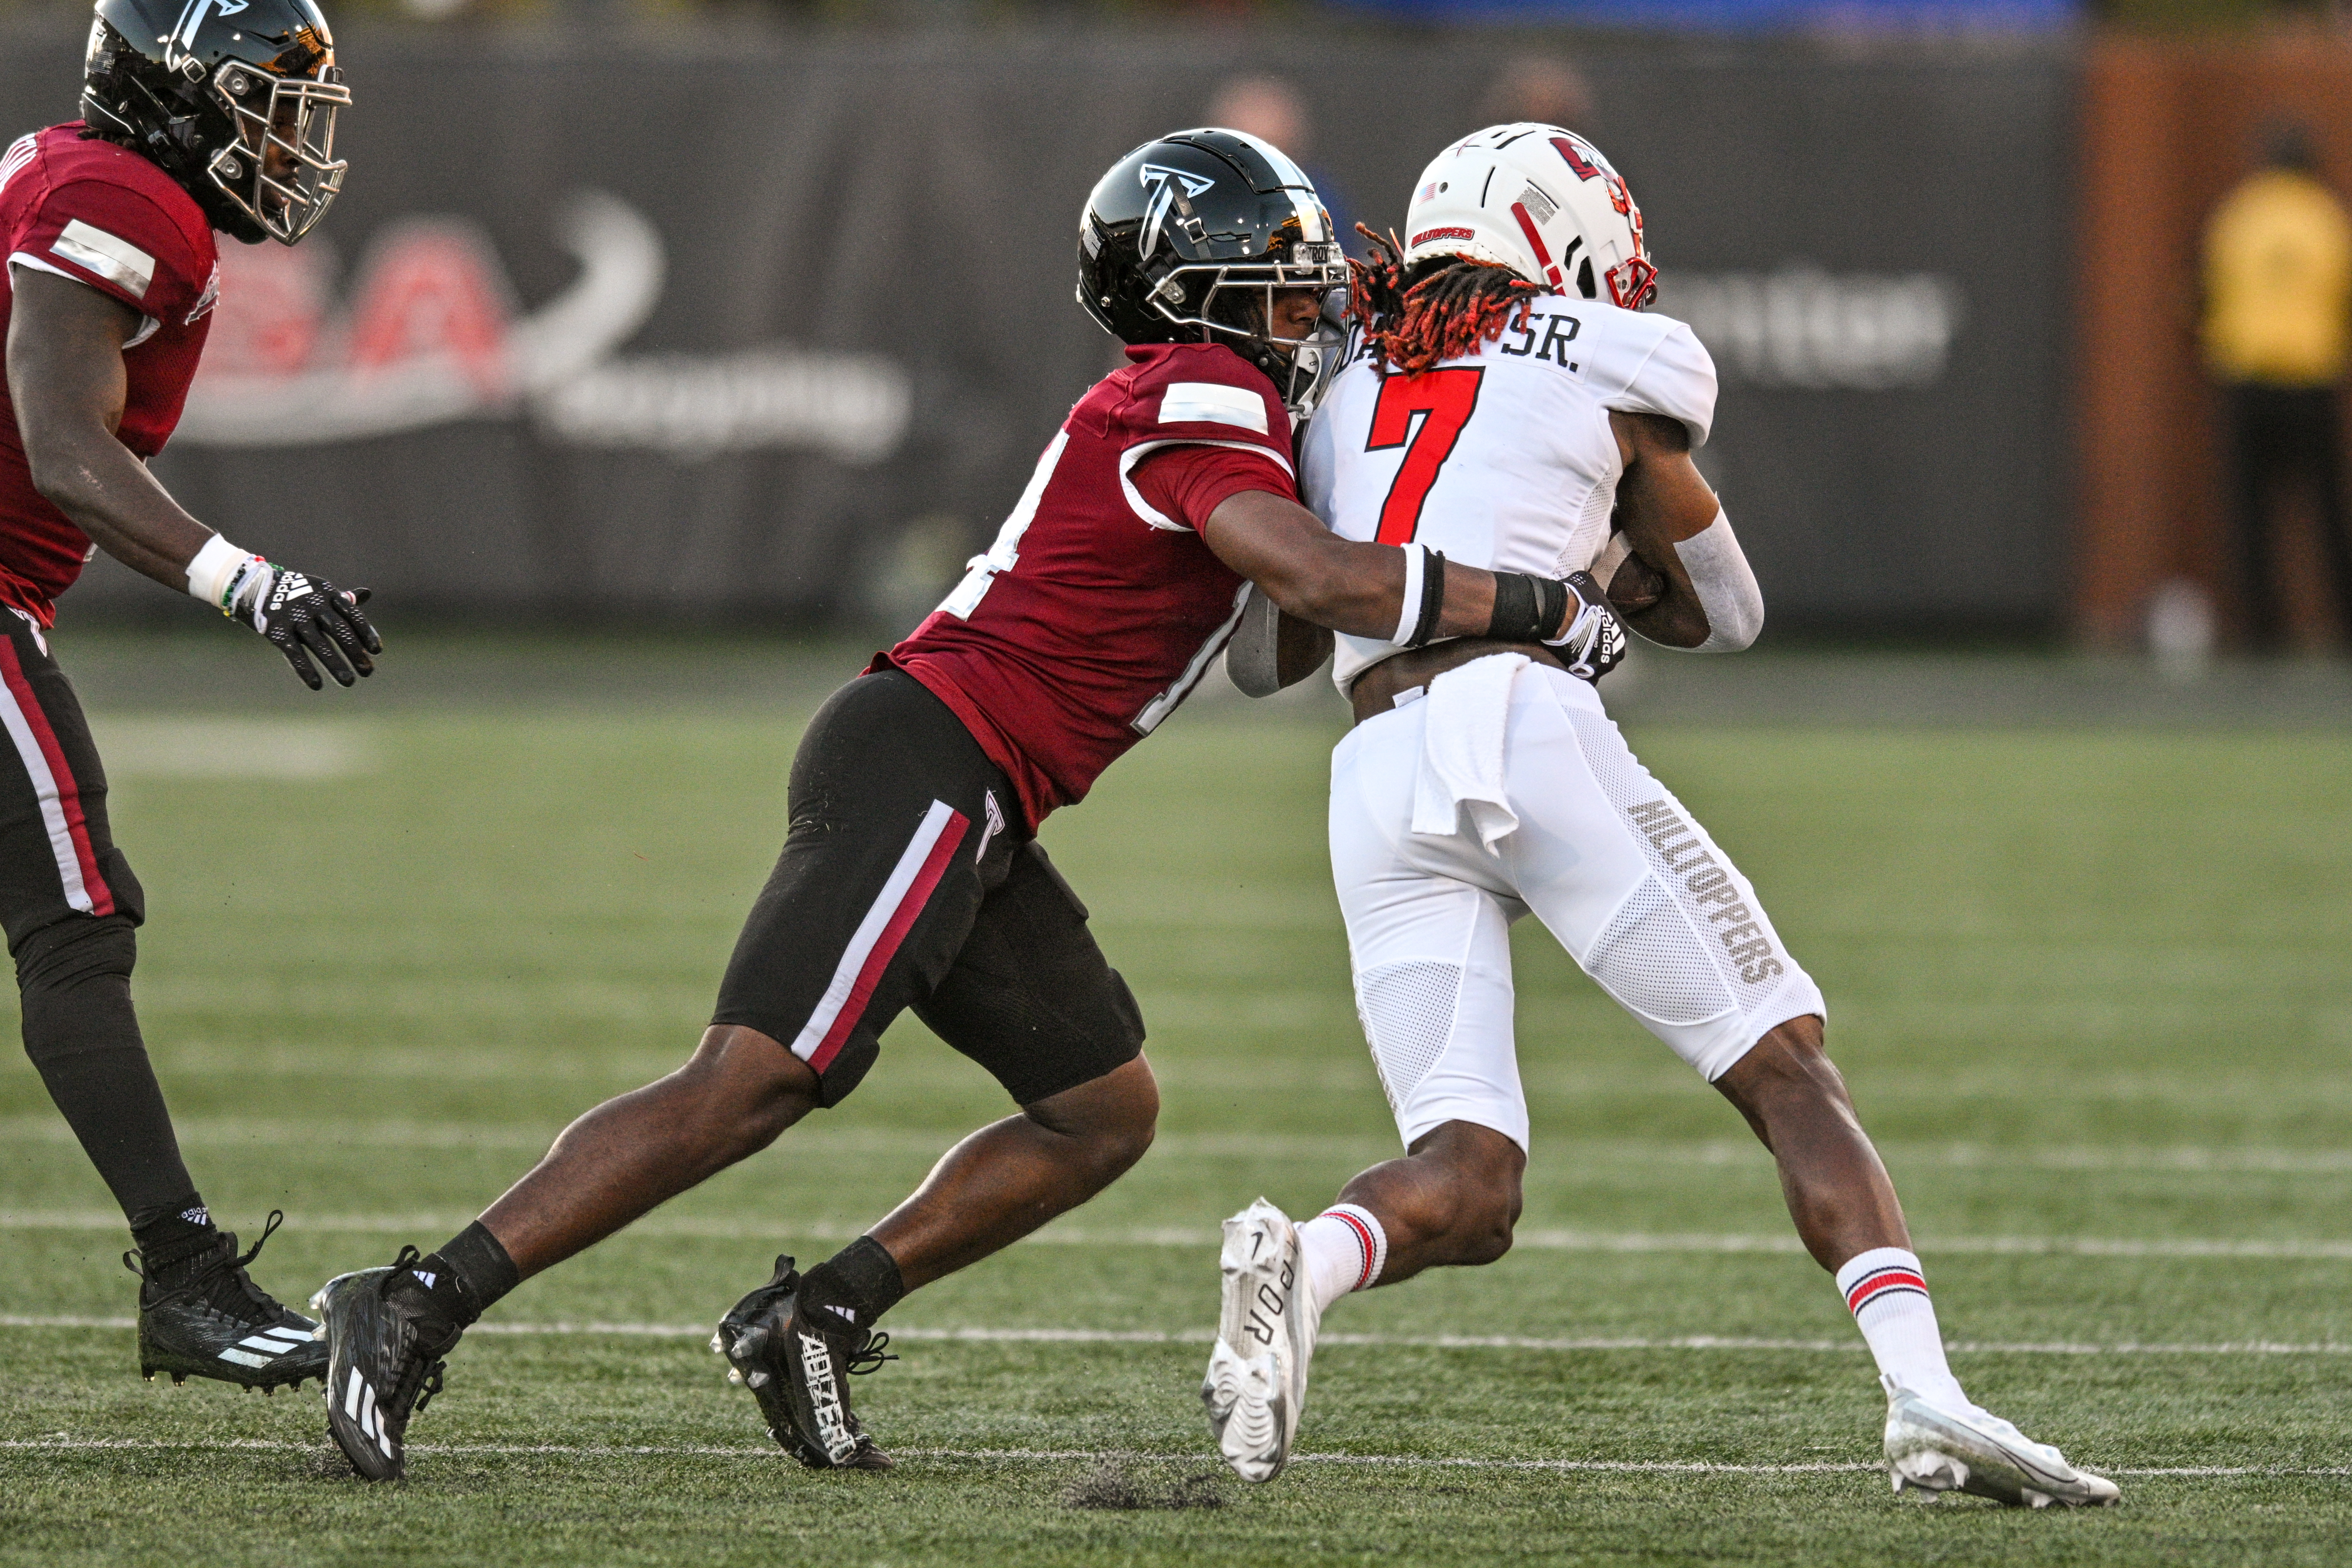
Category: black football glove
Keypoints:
(302, 615)
(1592, 639)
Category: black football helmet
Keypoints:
(235, 100)
(1187, 239)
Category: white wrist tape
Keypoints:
(216, 566)
(1417, 568)
(1726, 586)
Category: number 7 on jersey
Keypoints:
(1445, 400)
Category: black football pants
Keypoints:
(908, 882)
(72, 908)
(2287, 439)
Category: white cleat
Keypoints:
(1256, 1384)
(1938, 1449)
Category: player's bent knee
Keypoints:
(1468, 1191)
(1482, 1231)
(1789, 1064)
(1110, 1120)
(750, 1082)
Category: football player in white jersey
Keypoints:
(1503, 397)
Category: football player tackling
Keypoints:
(192, 121)
(1504, 394)
(911, 878)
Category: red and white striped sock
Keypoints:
(1888, 1294)
(1344, 1248)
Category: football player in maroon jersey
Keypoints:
(191, 122)
(911, 876)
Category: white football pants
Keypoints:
(1603, 853)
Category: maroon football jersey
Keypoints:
(99, 215)
(1093, 616)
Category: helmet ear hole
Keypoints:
(1584, 280)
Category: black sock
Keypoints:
(481, 1263)
(172, 1237)
(461, 1281)
(166, 1225)
(857, 1285)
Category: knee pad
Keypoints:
(74, 978)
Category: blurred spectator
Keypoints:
(2278, 333)
(1542, 88)
(1271, 108)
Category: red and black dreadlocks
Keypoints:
(1448, 306)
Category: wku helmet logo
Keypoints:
(1634, 282)
(1167, 186)
(1593, 169)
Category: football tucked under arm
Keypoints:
(1675, 572)
(1720, 578)
(1633, 584)
(1270, 650)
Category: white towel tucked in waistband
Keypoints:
(1462, 750)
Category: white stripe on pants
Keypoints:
(45, 788)
(1603, 855)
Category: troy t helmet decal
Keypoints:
(1189, 238)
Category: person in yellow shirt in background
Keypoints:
(2278, 335)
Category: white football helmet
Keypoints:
(1540, 201)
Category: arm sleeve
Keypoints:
(115, 240)
(1186, 483)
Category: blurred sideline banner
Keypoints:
(1851, 16)
(647, 329)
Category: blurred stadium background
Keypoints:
(755, 315)
(663, 358)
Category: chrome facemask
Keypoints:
(282, 171)
(1184, 296)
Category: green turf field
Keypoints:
(2089, 987)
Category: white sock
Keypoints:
(1344, 1248)
(1888, 1294)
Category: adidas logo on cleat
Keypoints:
(359, 1406)
(258, 1350)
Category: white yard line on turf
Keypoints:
(2174, 1160)
(1530, 1239)
(1428, 1342)
(1065, 1456)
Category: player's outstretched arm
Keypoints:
(66, 377)
(1314, 575)
(1675, 572)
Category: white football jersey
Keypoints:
(1502, 458)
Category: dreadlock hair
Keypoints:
(1440, 309)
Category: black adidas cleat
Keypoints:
(201, 1316)
(797, 1369)
(385, 1362)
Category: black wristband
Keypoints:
(1553, 599)
(1432, 599)
(1527, 609)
